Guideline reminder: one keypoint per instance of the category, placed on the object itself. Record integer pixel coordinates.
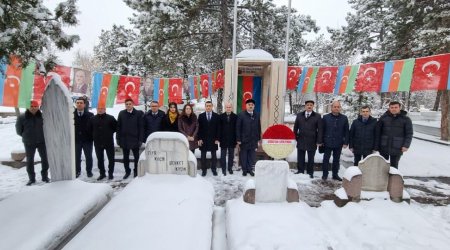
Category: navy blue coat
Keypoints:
(308, 132)
(130, 129)
(30, 127)
(393, 133)
(81, 126)
(208, 131)
(335, 130)
(362, 136)
(227, 135)
(102, 127)
(248, 130)
(152, 123)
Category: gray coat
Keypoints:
(248, 130)
(30, 127)
(308, 131)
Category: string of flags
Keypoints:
(425, 73)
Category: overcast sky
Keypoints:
(102, 14)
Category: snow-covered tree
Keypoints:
(28, 29)
(85, 60)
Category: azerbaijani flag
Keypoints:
(249, 87)
(163, 91)
(104, 90)
(16, 85)
(197, 87)
(191, 87)
(307, 79)
(346, 77)
(397, 75)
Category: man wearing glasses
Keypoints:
(30, 127)
(153, 119)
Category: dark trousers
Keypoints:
(101, 158)
(223, 158)
(326, 160)
(358, 157)
(394, 159)
(87, 149)
(213, 160)
(30, 150)
(301, 161)
(126, 159)
(247, 158)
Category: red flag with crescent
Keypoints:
(12, 83)
(204, 82)
(370, 77)
(220, 79)
(104, 91)
(39, 87)
(176, 90)
(128, 87)
(325, 79)
(293, 74)
(63, 72)
(431, 73)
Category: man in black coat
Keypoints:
(83, 139)
(227, 138)
(394, 133)
(362, 135)
(335, 137)
(248, 135)
(208, 136)
(153, 119)
(102, 127)
(130, 134)
(30, 127)
(308, 132)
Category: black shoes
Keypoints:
(224, 173)
(45, 179)
(299, 172)
(126, 176)
(203, 173)
(251, 173)
(324, 178)
(31, 182)
(134, 173)
(214, 173)
(311, 176)
(101, 177)
(110, 177)
(89, 174)
(335, 177)
(230, 171)
(244, 173)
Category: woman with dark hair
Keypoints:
(170, 122)
(188, 126)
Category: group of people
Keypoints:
(390, 135)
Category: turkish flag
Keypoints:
(38, 88)
(12, 83)
(370, 77)
(176, 90)
(204, 82)
(325, 79)
(431, 73)
(293, 74)
(63, 72)
(128, 87)
(220, 79)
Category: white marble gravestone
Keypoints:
(57, 112)
(271, 181)
(167, 153)
(375, 173)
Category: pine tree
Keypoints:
(28, 29)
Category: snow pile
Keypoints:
(153, 212)
(41, 217)
(376, 224)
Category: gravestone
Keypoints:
(167, 153)
(375, 173)
(57, 113)
(271, 181)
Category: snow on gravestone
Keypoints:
(57, 108)
(167, 153)
(375, 173)
(271, 181)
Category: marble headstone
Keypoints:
(57, 112)
(375, 173)
(271, 181)
(167, 153)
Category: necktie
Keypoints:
(79, 114)
(228, 118)
(209, 116)
(307, 115)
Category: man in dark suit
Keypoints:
(153, 119)
(130, 134)
(208, 136)
(83, 139)
(248, 135)
(308, 132)
(227, 138)
(362, 135)
(335, 137)
(103, 126)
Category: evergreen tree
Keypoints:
(28, 29)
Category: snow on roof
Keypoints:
(255, 54)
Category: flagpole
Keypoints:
(286, 56)
(233, 72)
